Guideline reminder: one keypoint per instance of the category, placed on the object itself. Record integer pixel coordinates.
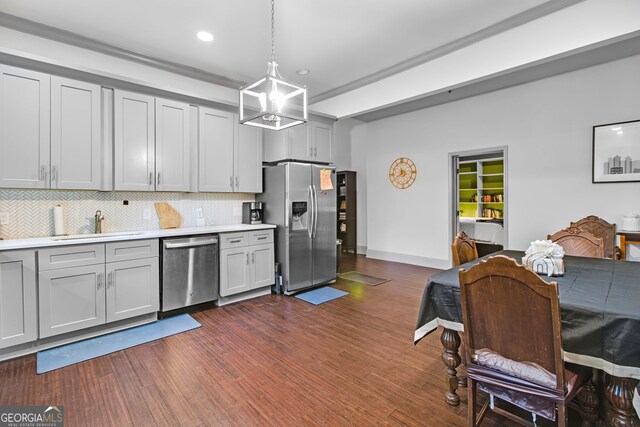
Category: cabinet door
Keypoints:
(18, 311)
(132, 288)
(235, 273)
(75, 135)
(24, 128)
(172, 145)
(249, 159)
(275, 145)
(298, 139)
(134, 146)
(216, 130)
(321, 142)
(71, 299)
(262, 265)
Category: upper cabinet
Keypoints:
(49, 132)
(151, 143)
(76, 158)
(230, 155)
(311, 142)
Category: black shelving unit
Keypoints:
(347, 210)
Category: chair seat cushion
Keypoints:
(526, 370)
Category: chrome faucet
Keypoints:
(99, 218)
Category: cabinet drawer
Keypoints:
(70, 256)
(234, 240)
(134, 249)
(260, 237)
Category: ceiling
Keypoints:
(345, 44)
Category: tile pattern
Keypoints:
(31, 211)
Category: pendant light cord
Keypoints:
(273, 32)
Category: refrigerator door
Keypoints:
(300, 210)
(324, 231)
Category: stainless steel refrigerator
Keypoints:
(300, 199)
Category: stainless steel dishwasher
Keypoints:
(190, 273)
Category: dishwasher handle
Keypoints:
(202, 242)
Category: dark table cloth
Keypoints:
(600, 310)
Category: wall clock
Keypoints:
(402, 173)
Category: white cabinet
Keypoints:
(246, 261)
(88, 285)
(311, 142)
(76, 157)
(18, 307)
(230, 155)
(49, 132)
(172, 145)
(134, 142)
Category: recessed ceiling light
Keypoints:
(205, 36)
(303, 72)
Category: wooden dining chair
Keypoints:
(513, 336)
(463, 249)
(602, 229)
(576, 242)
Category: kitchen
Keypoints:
(387, 227)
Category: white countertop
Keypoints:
(81, 239)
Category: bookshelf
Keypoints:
(347, 210)
(481, 188)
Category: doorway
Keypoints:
(479, 197)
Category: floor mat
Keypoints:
(354, 276)
(59, 357)
(321, 295)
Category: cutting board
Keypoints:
(169, 217)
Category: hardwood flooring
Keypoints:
(271, 361)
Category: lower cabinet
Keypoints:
(90, 290)
(18, 307)
(246, 261)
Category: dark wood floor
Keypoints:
(274, 360)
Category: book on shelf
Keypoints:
(343, 205)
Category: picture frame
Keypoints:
(616, 152)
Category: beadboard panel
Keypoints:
(31, 211)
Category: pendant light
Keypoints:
(270, 102)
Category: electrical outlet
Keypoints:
(199, 213)
(4, 218)
(146, 213)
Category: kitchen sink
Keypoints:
(97, 235)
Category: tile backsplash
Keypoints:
(30, 212)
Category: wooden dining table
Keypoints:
(600, 311)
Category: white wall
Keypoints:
(547, 126)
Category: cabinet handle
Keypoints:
(262, 238)
(237, 185)
(110, 279)
(99, 280)
(54, 173)
(247, 258)
(253, 260)
(231, 181)
(235, 241)
(43, 174)
(158, 178)
(150, 178)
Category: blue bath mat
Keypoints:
(76, 352)
(320, 295)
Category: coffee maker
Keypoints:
(252, 213)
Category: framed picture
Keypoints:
(616, 152)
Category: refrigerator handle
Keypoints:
(311, 212)
(315, 211)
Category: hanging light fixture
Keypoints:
(270, 102)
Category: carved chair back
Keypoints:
(602, 229)
(463, 249)
(576, 242)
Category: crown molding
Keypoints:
(528, 15)
(41, 30)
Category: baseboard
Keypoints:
(222, 301)
(409, 259)
(361, 250)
